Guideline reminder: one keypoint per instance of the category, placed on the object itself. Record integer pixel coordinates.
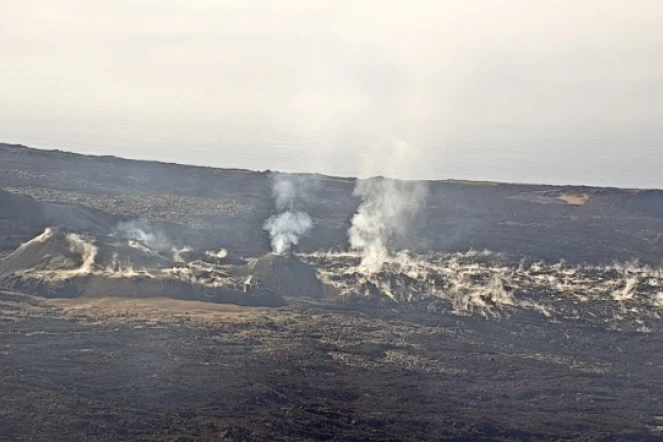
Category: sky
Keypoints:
(536, 91)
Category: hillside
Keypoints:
(227, 208)
(113, 329)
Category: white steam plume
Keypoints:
(143, 231)
(220, 254)
(289, 225)
(290, 190)
(387, 210)
(286, 229)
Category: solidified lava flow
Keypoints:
(104, 335)
(620, 296)
(624, 296)
(60, 264)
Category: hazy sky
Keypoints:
(559, 91)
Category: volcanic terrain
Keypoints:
(151, 301)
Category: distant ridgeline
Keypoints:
(220, 208)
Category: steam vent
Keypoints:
(286, 275)
(60, 264)
(52, 250)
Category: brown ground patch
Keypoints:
(574, 199)
(154, 310)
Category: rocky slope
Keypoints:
(226, 208)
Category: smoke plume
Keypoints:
(288, 225)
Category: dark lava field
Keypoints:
(139, 301)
